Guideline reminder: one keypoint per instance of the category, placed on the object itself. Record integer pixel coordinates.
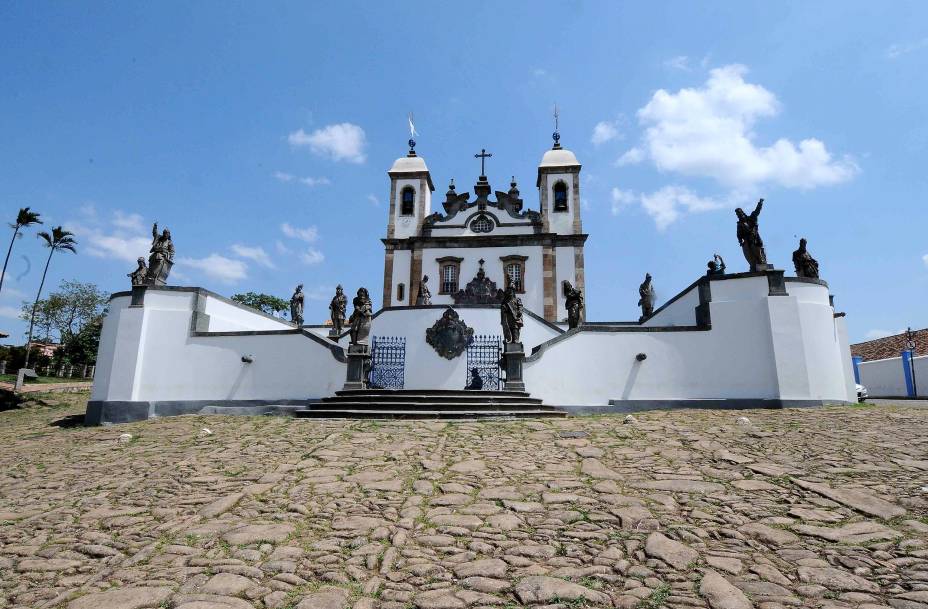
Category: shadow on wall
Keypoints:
(632, 377)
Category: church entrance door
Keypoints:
(483, 362)
(388, 362)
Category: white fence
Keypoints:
(886, 378)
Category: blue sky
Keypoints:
(261, 133)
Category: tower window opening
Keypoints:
(408, 202)
(401, 292)
(560, 196)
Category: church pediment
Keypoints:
(460, 212)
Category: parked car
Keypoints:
(862, 394)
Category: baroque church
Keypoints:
(476, 247)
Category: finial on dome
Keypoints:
(556, 136)
(412, 134)
(513, 188)
(451, 190)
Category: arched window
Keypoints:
(560, 196)
(408, 201)
(514, 271)
(481, 225)
(400, 292)
(449, 270)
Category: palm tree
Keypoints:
(60, 239)
(23, 218)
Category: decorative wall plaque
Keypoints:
(450, 335)
(480, 290)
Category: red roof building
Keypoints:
(890, 346)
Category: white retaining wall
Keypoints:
(886, 378)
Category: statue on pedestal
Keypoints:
(161, 257)
(749, 238)
(138, 275)
(574, 304)
(337, 308)
(296, 306)
(716, 266)
(360, 320)
(424, 297)
(511, 314)
(646, 300)
(806, 265)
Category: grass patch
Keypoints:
(656, 599)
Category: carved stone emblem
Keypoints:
(450, 335)
(480, 290)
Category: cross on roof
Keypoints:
(483, 157)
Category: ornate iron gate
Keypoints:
(388, 362)
(483, 355)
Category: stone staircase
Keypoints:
(427, 404)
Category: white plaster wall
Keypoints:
(148, 353)
(406, 226)
(532, 299)
(759, 347)
(681, 312)
(443, 229)
(564, 269)
(226, 317)
(425, 369)
(561, 222)
(885, 377)
(402, 259)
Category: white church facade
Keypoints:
(754, 339)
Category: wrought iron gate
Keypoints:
(388, 362)
(483, 355)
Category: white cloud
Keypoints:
(603, 132)
(9, 312)
(708, 132)
(925, 259)
(374, 200)
(621, 199)
(281, 248)
(308, 234)
(284, 177)
(312, 256)
(126, 243)
(680, 62)
(215, 266)
(310, 181)
(875, 334)
(339, 142)
(633, 156)
(898, 50)
(255, 253)
(667, 204)
(132, 222)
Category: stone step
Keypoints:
(430, 405)
(426, 398)
(320, 413)
(431, 392)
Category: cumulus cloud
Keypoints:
(604, 131)
(925, 259)
(124, 239)
(875, 334)
(308, 234)
(621, 199)
(283, 176)
(312, 256)
(339, 142)
(256, 253)
(309, 181)
(133, 222)
(898, 50)
(218, 267)
(666, 205)
(632, 156)
(708, 132)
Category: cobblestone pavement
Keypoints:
(811, 508)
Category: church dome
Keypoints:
(408, 164)
(558, 157)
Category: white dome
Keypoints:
(409, 164)
(558, 158)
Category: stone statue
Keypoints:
(138, 275)
(360, 320)
(749, 238)
(161, 257)
(424, 297)
(646, 302)
(511, 314)
(337, 309)
(574, 304)
(296, 306)
(806, 265)
(716, 266)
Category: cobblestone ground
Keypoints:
(810, 508)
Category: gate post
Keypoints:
(513, 355)
(359, 365)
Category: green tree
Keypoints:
(23, 218)
(66, 311)
(59, 239)
(264, 303)
(81, 348)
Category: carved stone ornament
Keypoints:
(450, 335)
(480, 290)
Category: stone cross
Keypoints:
(483, 156)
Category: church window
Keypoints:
(514, 271)
(449, 278)
(481, 225)
(400, 292)
(408, 202)
(560, 196)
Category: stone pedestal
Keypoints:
(359, 365)
(758, 268)
(513, 356)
